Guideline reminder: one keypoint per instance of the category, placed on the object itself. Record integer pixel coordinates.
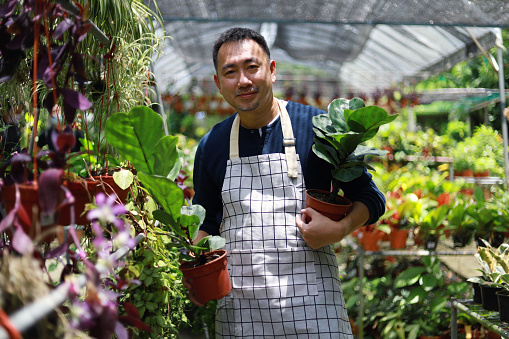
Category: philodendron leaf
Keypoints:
(123, 178)
(192, 217)
(135, 135)
(216, 242)
(167, 157)
(165, 192)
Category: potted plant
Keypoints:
(461, 224)
(339, 135)
(204, 263)
(491, 219)
(494, 262)
(398, 211)
(139, 137)
(429, 217)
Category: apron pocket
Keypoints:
(273, 273)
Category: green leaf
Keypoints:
(326, 152)
(123, 178)
(165, 192)
(428, 282)
(347, 174)
(216, 242)
(409, 276)
(367, 120)
(356, 103)
(168, 158)
(418, 294)
(336, 113)
(134, 135)
(192, 217)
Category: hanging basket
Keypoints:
(29, 196)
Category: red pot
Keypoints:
(398, 238)
(108, 186)
(372, 239)
(210, 281)
(333, 211)
(29, 195)
(83, 192)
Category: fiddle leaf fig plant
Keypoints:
(340, 133)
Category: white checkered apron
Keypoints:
(281, 288)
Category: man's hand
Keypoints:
(318, 230)
(192, 296)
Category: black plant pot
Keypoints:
(489, 297)
(431, 242)
(477, 293)
(461, 240)
(495, 239)
(503, 305)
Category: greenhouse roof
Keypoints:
(364, 45)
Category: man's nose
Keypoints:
(244, 80)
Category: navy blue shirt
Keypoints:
(213, 153)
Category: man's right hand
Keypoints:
(192, 296)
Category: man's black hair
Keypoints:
(238, 34)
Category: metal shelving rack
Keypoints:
(489, 319)
(405, 252)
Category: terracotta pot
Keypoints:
(210, 281)
(29, 195)
(108, 186)
(489, 297)
(372, 240)
(333, 211)
(398, 238)
(83, 192)
(503, 305)
(482, 174)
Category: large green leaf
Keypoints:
(134, 135)
(324, 123)
(326, 152)
(409, 276)
(348, 174)
(192, 217)
(428, 282)
(165, 192)
(367, 120)
(168, 158)
(348, 141)
(336, 109)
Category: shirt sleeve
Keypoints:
(364, 189)
(207, 192)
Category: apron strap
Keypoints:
(288, 140)
(234, 138)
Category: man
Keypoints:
(284, 274)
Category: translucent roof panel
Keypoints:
(365, 44)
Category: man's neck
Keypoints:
(259, 118)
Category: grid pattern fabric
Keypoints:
(281, 288)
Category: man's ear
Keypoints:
(272, 66)
(216, 80)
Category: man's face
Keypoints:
(245, 75)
